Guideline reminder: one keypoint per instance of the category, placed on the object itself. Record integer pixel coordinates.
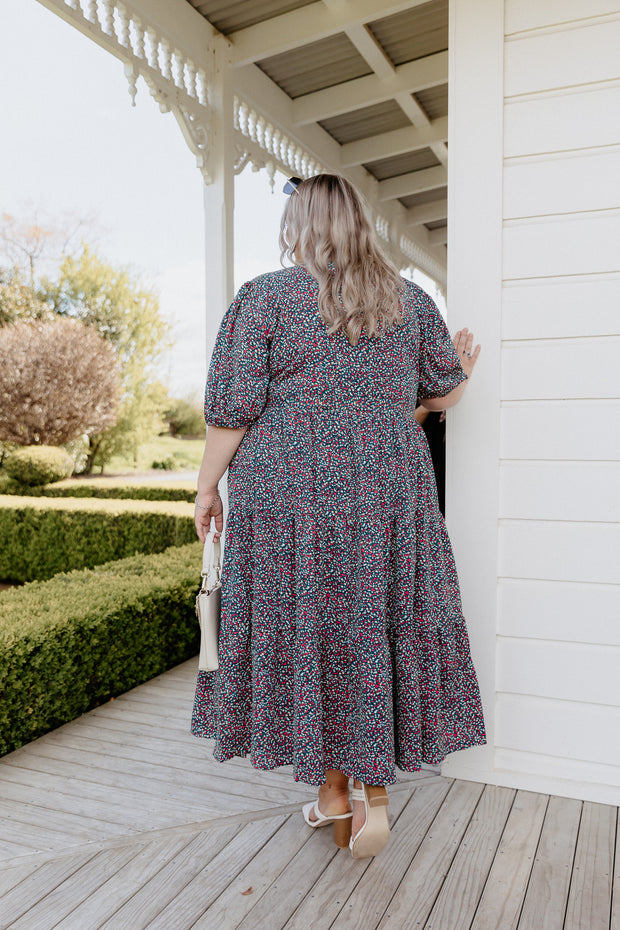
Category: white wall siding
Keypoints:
(556, 710)
(558, 688)
(564, 611)
(572, 306)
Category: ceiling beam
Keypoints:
(308, 24)
(427, 213)
(438, 236)
(396, 142)
(413, 183)
(366, 91)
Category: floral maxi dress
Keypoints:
(342, 642)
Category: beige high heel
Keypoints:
(374, 835)
(341, 822)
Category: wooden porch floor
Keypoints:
(123, 820)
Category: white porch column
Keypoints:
(474, 289)
(219, 195)
(219, 203)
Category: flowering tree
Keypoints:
(58, 379)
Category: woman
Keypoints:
(343, 649)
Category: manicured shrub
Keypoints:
(42, 536)
(105, 488)
(69, 644)
(37, 465)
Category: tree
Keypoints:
(125, 312)
(18, 301)
(58, 379)
(185, 417)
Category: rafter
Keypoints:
(413, 183)
(386, 144)
(438, 236)
(308, 24)
(427, 213)
(366, 91)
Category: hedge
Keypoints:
(42, 536)
(69, 644)
(105, 488)
(38, 465)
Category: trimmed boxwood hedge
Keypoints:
(104, 488)
(69, 644)
(42, 536)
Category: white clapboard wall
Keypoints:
(549, 220)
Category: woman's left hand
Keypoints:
(209, 504)
(463, 342)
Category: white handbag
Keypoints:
(208, 605)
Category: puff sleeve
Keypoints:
(440, 369)
(238, 377)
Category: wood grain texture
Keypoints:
(108, 823)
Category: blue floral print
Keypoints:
(342, 644)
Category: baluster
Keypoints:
(190, 69)
(243, 118)
(178, 72)
(165, 59)
(202, 88)
(151, 49)
(107, 16)
(260, 131)
(138, 33)
(123, 25)
(90, 11)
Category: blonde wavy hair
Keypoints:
(326, 227)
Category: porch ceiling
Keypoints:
(370, 76)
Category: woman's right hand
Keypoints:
(463, 342)
(208, 504)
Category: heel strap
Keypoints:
(358, 794)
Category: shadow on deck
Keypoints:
(121, 819)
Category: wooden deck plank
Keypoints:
(31, 890)
(103, 768)
(416, 894)
(73, 890)
(547, 890)
(92, 800)
(460, 893)
(328, 895)
(366, 905)
(45, 828)
(232, 906)
(112, 890)
(192, 756)
(9, 877)
(187, 789)
(293, 884)
(504, 891)
(198, 894)
(138, 910)
(589, 898)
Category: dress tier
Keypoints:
(342, 644)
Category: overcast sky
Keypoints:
(72, 143)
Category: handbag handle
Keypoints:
(211, 549)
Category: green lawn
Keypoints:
(181, 454)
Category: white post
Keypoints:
(219, 195)
(219, 203)
(474, 286)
